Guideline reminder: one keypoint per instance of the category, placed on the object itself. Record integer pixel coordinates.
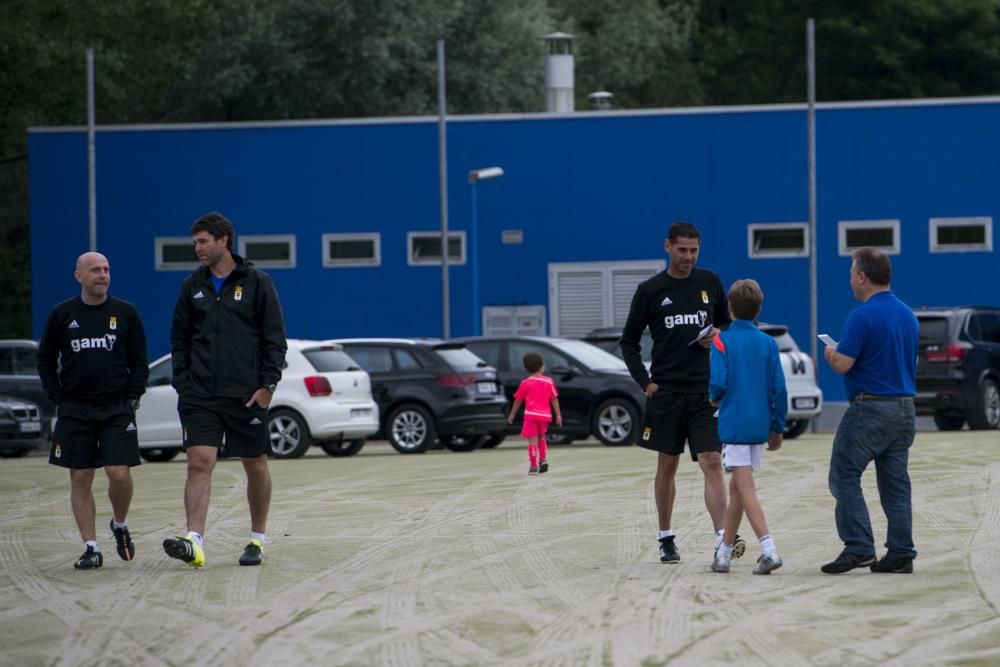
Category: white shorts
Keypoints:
(741, 456)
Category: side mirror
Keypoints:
(563, 371)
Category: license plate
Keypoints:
(486, 387)
(31, 427)
(357, 413)
(804, 403)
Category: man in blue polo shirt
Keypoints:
(877, 354)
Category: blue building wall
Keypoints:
(589, 187)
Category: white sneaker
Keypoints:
(720, 563)
(765, 564)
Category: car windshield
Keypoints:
(460, 357)
(590, 356)
(781, 336)
(611, 345)
(933, 329)
(329, 360)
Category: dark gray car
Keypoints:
(19, 378)
(20, 426)
(430, 390)
(597, 395)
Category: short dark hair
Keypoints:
(217, 225)
(874, 264)
(533, 361)
(745, 297)
(685, 229)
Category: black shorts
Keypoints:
(93, 436)
(672, 418)
(226, 423)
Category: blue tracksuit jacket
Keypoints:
(748, 384)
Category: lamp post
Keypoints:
(475, 176)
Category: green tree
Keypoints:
(754, 52)
(636, 50)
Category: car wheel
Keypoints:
(159, 454)
(290, 437)
(616, 422)
(492, 440)
(410, 429)
(343, 447)
(795, 427)
(558, 439)
(986, 414)
(462, 443)
(948, 422)
(14, 452)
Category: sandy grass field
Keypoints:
(463, 559)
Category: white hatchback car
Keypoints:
(805, 398)
(324, 398)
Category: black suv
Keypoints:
(19, 378)
(958, 366)
(430, 389)
(20, 426)
(596, 393)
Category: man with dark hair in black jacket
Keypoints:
(684, 308)
(92, 362)
(228, 349)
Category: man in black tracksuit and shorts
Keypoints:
(684, 308)
(92, 362)
(228, 349)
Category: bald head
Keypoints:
(94, 275)
(88, 258)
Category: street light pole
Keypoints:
(475, 176)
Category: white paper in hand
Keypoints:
(827, 340)
(701, 334)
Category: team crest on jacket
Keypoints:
(113, 322)
(704, 296)
(238, 294)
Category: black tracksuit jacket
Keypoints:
(228, 344)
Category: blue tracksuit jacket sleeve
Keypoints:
(719, 374)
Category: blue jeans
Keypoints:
(879, 431)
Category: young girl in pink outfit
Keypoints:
(537, 392)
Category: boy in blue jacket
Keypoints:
(748, 385)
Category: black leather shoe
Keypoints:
(668, 550)
(90, 560)
(846, 562)
(893, 565)
(123, 541)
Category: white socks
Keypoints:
(767, 546)
(91, 543)
(123, 524)
(666, 533)
(258, 536)
(196, 538)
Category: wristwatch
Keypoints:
(271, 387)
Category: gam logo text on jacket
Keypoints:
(698, 319)
(105, 342)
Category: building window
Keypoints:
(269, 252)
(425, 248)
(961, 234)
(352, 249)
(881, 234)
(784, 239)
(512, 236)
(175, 253)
